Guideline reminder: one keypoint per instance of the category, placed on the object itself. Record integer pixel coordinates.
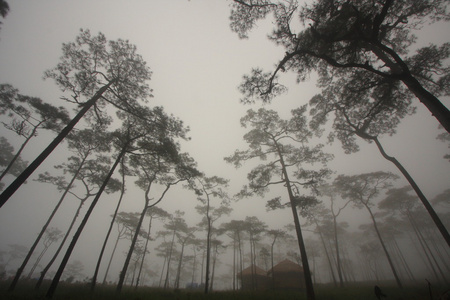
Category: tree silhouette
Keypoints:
(367, 109)
(207, 189)
(362, 190)
(95, 72)
(286, 143)
(373, 38)
(26, 115)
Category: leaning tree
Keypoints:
(367, 107)
(95, 72)
(336, 37)
(362, 190)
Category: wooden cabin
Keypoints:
(255, 279)
(286, 275)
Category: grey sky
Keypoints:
(197, 64)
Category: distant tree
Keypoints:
(175, 224)
(124, 145)
(52, 235)
(184, 234)
(366, 109)
(157, 163)
(126, 223)
(4, 9)
(274, 234)
(217, 246)
(400, 201)
(26, 115)
(6, 156)
(91, 177)
(153, 213)
(236, 228)
(95, 72)
(74, 271)
(123, 171)
(362, 190)
(330, 192)
(15, 252)
(286, 143)
(373, 38)
(83, 144)
(207, 189)
(254, 228)
(445, 137)
(320, 217)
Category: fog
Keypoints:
(197, 63)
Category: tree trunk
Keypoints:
(437, 221)
(50, 263)
(143, 255)
(397, 279)
(97, 267)
(111, 258)
(437, 109)
(213, 269)
(177, 279)
(15, 185)
(16, 156)
(37, 262)
(326, 252)
(130, 251)
(338, 257)
(60, 270)
(310, 295)
(208, 246)
(44, 228)
(169, 258)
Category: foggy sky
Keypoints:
(197, 64)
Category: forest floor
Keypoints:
(81, 291)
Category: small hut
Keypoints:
(255, 279)
(287, 275)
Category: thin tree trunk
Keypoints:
(143, 255)
(122, 192)
(326, 252)
(37, 262)
(338, 258)
(15, 185)
(437, 221)
(169, 258)
(419, 238)
(60, 270)
(397, 279)
(16, 156)
(44, 228)
(271, 262)
(213, 268)
(177, 279)
(234, 262)
(50, 263)
(130, 251)
(162, 270)
(111, 258)
(208, 246)
(310, 295)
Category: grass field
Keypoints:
(65, 291)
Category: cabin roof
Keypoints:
(286, 266)
(248, 271)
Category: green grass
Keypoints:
(66, 291)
